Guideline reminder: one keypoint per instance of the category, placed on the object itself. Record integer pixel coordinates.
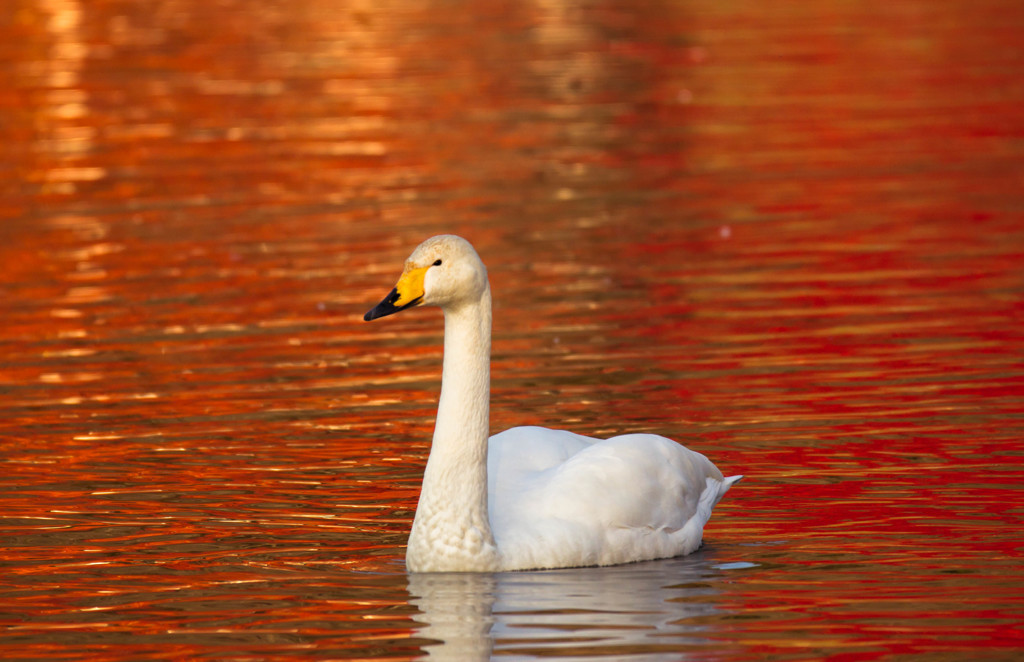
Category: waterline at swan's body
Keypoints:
(533, 497)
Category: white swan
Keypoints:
(532, 497)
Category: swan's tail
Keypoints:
(724, 486)
(713, 492)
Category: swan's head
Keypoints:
(443, 271)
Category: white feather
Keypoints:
(532, 497)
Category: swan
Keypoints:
(531, 497)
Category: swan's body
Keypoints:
(532, 497)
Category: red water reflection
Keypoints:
(789, 236)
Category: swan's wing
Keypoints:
(591, 501)
(528, 449)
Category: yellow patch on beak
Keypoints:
(410, 286)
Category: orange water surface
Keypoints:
(788, 234)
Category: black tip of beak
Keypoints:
(384, 308)
(387, 307)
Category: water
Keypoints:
(791, 237)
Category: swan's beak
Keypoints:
(407, 293)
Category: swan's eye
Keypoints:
(437, 263)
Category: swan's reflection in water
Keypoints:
(457, 610)
(655, 608)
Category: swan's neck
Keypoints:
(451, 530)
